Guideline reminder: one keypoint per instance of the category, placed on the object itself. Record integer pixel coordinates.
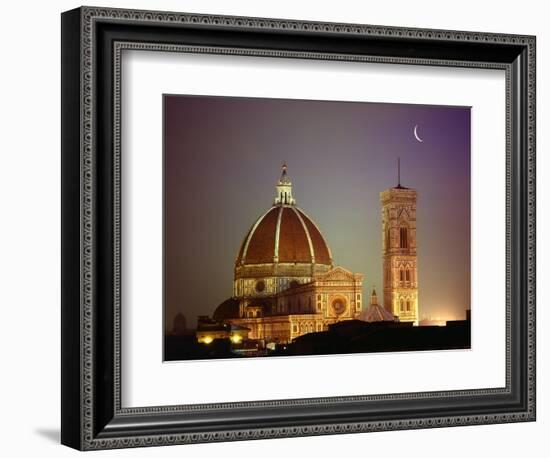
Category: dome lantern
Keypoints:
(283, 193)
(373, 298)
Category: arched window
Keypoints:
(401, 275)
(401, 305)
(408, 275)
(403, 237)
(408, 305)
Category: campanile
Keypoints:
(400, 269)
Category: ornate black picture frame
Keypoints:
(92, 42)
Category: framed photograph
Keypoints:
(276, 228)
(267, 282)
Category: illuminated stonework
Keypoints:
(400, 267)
(307, 307)
(285, 284)
(283, 193)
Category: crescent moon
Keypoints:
(416, 134)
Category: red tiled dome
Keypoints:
(284, 234)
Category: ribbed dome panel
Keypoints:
(293, 241)
(261, 247)
(320, 247)
(284, 235)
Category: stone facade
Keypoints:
(302, 308)
(400, 266)
(285, 284)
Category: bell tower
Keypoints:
(400, 269)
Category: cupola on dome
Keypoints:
(284, 234)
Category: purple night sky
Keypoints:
(223, 157)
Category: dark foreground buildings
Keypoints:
(351, 336)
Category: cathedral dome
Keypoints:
(283, 248)
(284, 234)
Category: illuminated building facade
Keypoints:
(209, 330)
(400, 264)
(285, 284)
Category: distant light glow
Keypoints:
(235, 338)
(207, 340)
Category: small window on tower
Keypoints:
(401, 307)
(407, 275)
(408, 306)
